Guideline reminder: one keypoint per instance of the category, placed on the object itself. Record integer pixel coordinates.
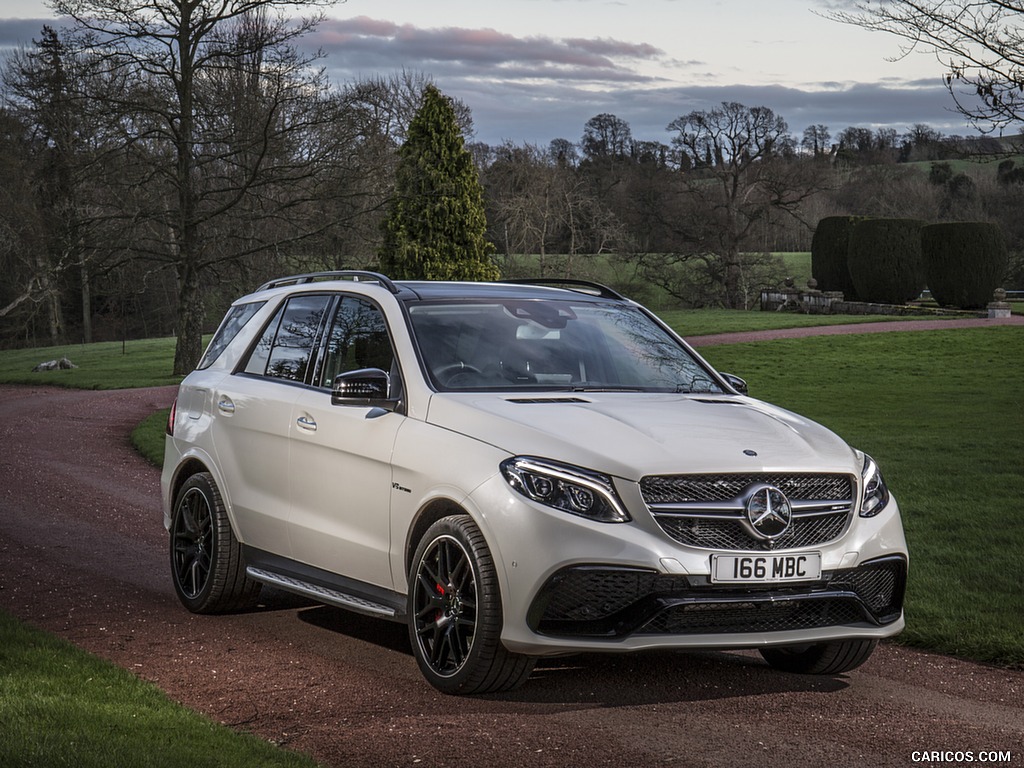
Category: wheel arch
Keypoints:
(192, 464)
(431, 512)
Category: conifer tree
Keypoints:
(435, 228)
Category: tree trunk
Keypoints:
(189, 346)
(86, 304)
(50, 293)
(734, 282)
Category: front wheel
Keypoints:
(455, 613)
(206, 559)
(831, 658)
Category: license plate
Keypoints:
(758, 569)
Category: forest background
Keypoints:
(154, 167)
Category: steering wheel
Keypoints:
(446, 374)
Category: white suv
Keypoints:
(518, 470)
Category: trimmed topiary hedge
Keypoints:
(964, 262)
(829, 247)
(885, 261)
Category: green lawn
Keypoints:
(108, 365)
(62, 707)
(148, 362)
(942, 412)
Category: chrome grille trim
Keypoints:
(708, 511)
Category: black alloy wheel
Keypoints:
(206, 560)
(455, 613)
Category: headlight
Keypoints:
(569, 489)
(876, 494)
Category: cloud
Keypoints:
(538, 88)
(21, 32)
(854, 104)
(362, 44)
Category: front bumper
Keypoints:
(600, 602)
(572, 585)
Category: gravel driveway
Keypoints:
(83, 555)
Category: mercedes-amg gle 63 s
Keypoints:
(518, 470)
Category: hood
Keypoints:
(630, 435)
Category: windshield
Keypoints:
(551, 345)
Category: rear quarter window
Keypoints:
(233, 322)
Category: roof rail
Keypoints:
(582, 286)
(355, 275)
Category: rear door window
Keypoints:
(285, 349)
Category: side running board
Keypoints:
(323, 594)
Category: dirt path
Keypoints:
(83, 555)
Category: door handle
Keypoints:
(307, 423)
(224, 405)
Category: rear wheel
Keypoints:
(820, 658)
(206, 559)
(455, 614)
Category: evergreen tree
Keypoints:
(435, 228)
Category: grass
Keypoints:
(148, 436)
(943, 413)
(148, 362)
(613, 271)
(62, 707)
(107, 365)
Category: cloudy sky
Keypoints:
(536, 70)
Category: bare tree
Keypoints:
(539, 204)
(181, 58)
(606, 136)
(745, 173)
(391, 101)
(979, 43)
(816, 140)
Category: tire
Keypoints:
(455, 614)
(820, 658)
(207, 567)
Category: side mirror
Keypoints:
(735, 382)
(366, 387)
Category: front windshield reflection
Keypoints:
(552, 345)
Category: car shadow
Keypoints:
(386, 634)
(595, 680)
(654, 677)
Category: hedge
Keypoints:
(829, 248)
(885, 261)
(964, 262)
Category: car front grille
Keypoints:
(709, 511)
(593, 601)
